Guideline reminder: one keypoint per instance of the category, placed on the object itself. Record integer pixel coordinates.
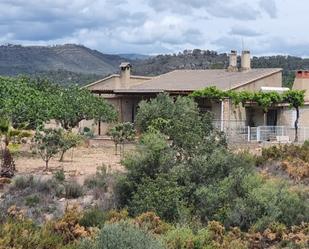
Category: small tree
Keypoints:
(48, 143)
(122, 133)
(296, 99)
(7, 162)
(69, 140)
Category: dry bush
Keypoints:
(68, 226)
(114, 216)
(150, 222)
(296, 168)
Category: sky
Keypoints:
(264, 27)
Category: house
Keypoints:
(125, 91)
(301, 82)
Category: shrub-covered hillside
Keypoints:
(182, 188)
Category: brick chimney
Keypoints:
(125, 73)
(232, 61)
(245, 60)
(301, 82)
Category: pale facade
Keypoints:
(125, 91)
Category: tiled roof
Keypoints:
(185, 80)
(191, 80)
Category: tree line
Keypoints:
(27, 104)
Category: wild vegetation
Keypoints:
(182, 188)
(291, 159)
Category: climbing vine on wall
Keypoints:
(295, 99)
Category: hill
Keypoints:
(70, 63)
(61, 62)
(205, 59)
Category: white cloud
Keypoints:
(158, 26)
(270, 7)
(243, 31)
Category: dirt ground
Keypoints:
(78, 163)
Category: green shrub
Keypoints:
(59, 175)
(73, 190)
(87, 244)
(251, 201)
(25, 134)
(22, 182)
(14, 148)
(59, 190)
(153, 156)
(93, 218)
(86, 129)
(87, 132)
(161, 195)
(46, 186)
(181, 238)
(99, 180)
(32, 201)
(125, 236)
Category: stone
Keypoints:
(88, 199)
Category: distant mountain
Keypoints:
(70, 63)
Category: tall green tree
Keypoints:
(73, 105)
(296, 99)
(23, 105)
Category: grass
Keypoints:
(73, 190)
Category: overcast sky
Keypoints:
(160, 26)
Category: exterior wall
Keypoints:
(239, 116)
(128, 109)
(304, 116)
(288, 116)
(216, 110)
(274, 80)
(301, 82)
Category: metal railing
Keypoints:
(238, 132)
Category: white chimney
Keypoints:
(125, 73)
(245, 60)
(232, 61)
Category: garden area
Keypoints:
(177, 186)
